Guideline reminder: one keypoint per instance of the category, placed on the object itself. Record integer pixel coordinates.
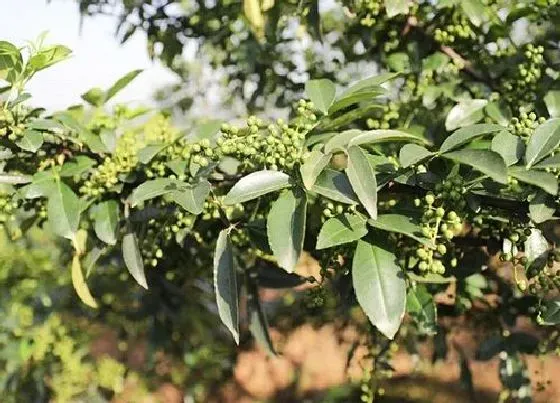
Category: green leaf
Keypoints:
(11, 62)
(362, 178)
(106, 221)
(41, 184)
(208, 130)
(499, 113)
(192, 198)
(368, 83)
(401, 224)
(541, 207)
(465, 113)
(258, 325)
(380, 287)
(485, 161)
(225, 284)
(544, 180)
(368, 94)
(336, 186)
(396, 7)
(382, 136)
(121, 83)
(109, 140)
(543, 141)
(153, 188)
(177, 166)
(509, 146)
(321, 93)
(475, 10)
(256, 184)
(339, 230)
(80, 165)
(47, 57)
(551, 162)
(285, 228)
(552, 101)
(399, 62)
(147, 153)
(312, 167)
(31, 141)
(421, 307)
(411, 154)
(551, 315)
(133, 258)
(431, 278)
(80, 284)
(63, 209)
(341, 140)
(467, 134)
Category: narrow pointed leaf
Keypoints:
(312, 167)
(80, 284)
(256, 184)
(543, 141)
(551, 162)
(368, 83)
(362, 177)
(225, 284)
(340, 230)
(485, 161)
(153, 188)
(467, 134)
(286, 228)
(380, 287)
(133, 259)
(383, 136)
(121, 83)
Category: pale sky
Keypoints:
(97, 61)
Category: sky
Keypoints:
(98, 59)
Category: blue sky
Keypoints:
(98, 58)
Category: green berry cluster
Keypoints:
(276, 146)
(459, 29)
(366, 10)
(330, 209)
(525, 124)
(107, 175)
(9, 126)
(8, 207)
(388, 117)
(521, 85)
(392, 41)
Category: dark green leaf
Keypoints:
(133, 258)
(544, 180)
(153, 188)
(401, 224)
(411, 154)
(368, 83)
(509, 146)
(192, 198)
(63, 209)
(467, 134)
(421, 306)
(544, 140)
(485, 161)
(551, 162)
(286, 228)
(225, 284)
(106, 221)
(336, 186)
(355, 98)
(551, 314)
(339, 230)
(312, 167)
(541, 208)
(380, 287)
(362, 178)
(80, 165)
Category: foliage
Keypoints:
(397, 184)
